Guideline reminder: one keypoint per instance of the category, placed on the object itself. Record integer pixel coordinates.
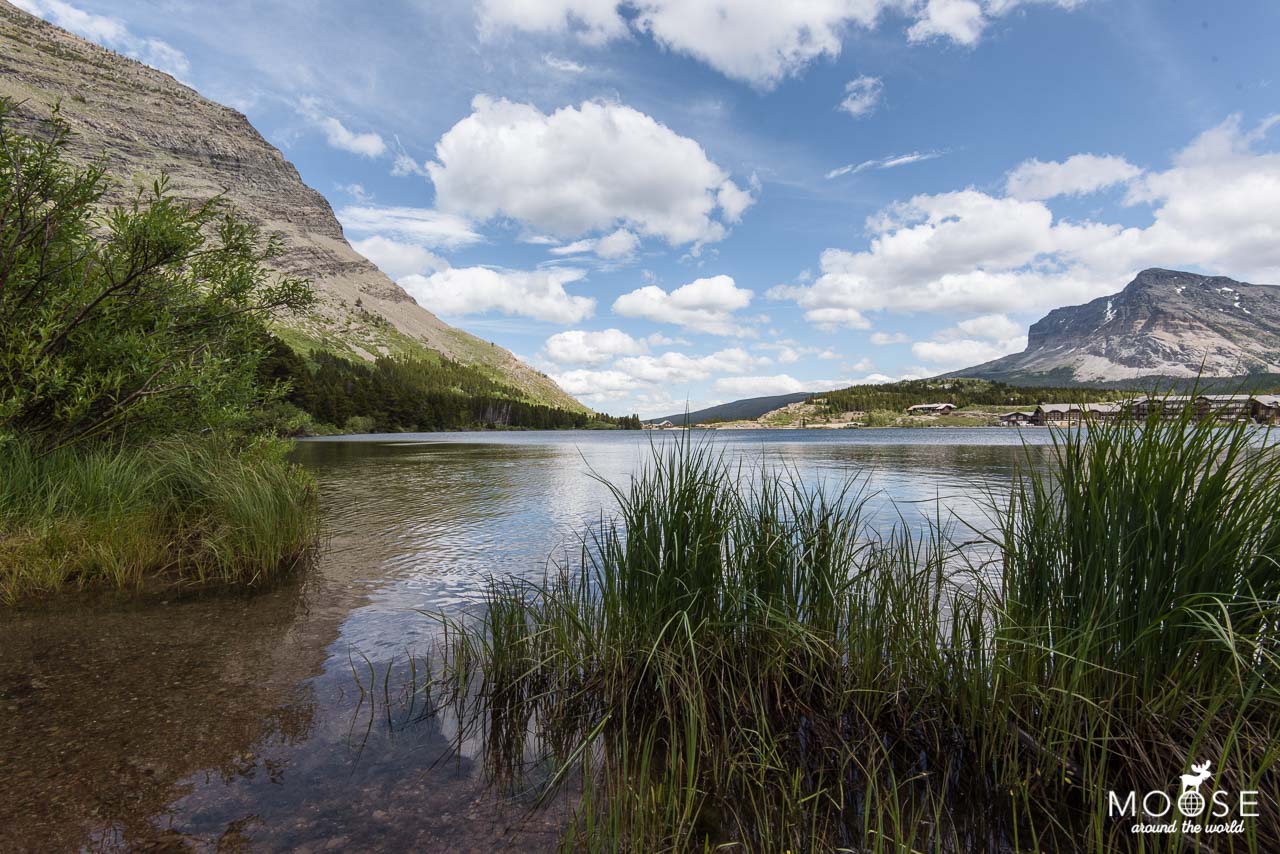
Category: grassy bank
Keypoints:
(130, 335)
(747, 666)
(171, 512)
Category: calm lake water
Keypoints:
(225, 723)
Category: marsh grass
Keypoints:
(742, 663)
(176, 512)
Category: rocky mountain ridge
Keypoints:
(142, 123)
(1164, 323)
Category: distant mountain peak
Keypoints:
(1164, 322)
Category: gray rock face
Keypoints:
(1164, 322)
(141, 123)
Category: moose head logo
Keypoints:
(1191, 802)
(1191, 782)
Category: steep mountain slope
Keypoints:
(142, 123)
(1164, 322)
(738, 410)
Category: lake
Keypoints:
(261, 722)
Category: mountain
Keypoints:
(1164, 323)
(738, 410)
(143, 123)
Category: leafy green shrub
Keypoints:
(133, 323)
(359, 424)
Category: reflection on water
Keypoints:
(238, 723)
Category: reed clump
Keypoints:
(176, 512)
(741, 663)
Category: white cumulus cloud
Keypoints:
(1217, 207)
(961, 21)
(706, 305)
(788, 351)
(579, 347)
(398, 259)
(592, 21)
(596, 167)
(619, 244)
(861, 95)
(994, 327)
(678, 368)
(597, 385)
(760, 42)
(882, 339)
(1077, 175)
(537, 294)
(973, 341)
(650, 382)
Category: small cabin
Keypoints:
(663, 425)
(931, 409)
(1012, 419)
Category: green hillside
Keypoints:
(406, 392)
(961, 392)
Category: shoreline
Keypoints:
(339, 437)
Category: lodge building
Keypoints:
(1259, 408)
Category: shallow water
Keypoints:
(223, 723)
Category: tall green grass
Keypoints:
(739, 662)
(176, 512)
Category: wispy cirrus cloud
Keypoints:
(559, 63)
(423, 226)
(338, 135)
(893, 161)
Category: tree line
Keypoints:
(961, 392)
(412, 394)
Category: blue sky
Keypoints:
(661, 201)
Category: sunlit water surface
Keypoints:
(239, 722)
